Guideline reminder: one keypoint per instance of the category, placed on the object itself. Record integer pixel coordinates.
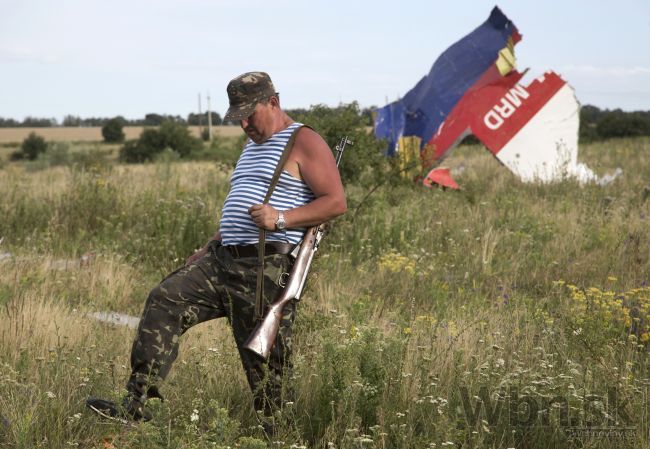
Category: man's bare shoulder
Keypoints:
(311, 144)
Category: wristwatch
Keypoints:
(280, 225)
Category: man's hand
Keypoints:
(264, 216)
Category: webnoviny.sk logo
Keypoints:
(580, 416)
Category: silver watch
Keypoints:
(280, 225)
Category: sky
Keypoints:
(105, 58)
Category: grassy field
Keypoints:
(504, 315)
(93, 134)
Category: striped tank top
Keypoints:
(248, 186)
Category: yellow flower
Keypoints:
(395, 263)
(425, 318)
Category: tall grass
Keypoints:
(503, 315)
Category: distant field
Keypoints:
(8, 135)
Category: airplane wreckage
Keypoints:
(474, 88)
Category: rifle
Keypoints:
(263, 338)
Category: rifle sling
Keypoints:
(259, 291)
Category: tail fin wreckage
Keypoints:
(474, 88)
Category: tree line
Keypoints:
(595, 123)
(152, 119)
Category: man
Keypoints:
(220, 279)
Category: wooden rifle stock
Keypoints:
(262, 339)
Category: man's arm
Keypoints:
(316, 166)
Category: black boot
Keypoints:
(130, 410)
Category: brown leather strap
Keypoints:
(259, 291)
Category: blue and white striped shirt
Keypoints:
(248, 186)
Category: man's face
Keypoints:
(259, 125)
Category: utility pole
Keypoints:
(200, 117)
(209, 120)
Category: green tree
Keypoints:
(364, 162)
(202, 120)
(113, 131)
(178, 137)
(35, 122)
(33, 145)
(153, 141)
(71, 120)
(620, 124)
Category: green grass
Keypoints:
(434, 318)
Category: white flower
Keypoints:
(194, 416)
(50, 395)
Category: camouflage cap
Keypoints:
(245, 91)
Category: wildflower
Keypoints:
(425, 318)
(194, 417)
(50, 395)
(396, 263)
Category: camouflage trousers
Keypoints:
(215, 286)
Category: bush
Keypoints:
(131, 152)
(17, 155)
(166, 156)
(58, 153)
(362, 163)
(178, 137)
(33, 145)
(172, 135)
(112, 130)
